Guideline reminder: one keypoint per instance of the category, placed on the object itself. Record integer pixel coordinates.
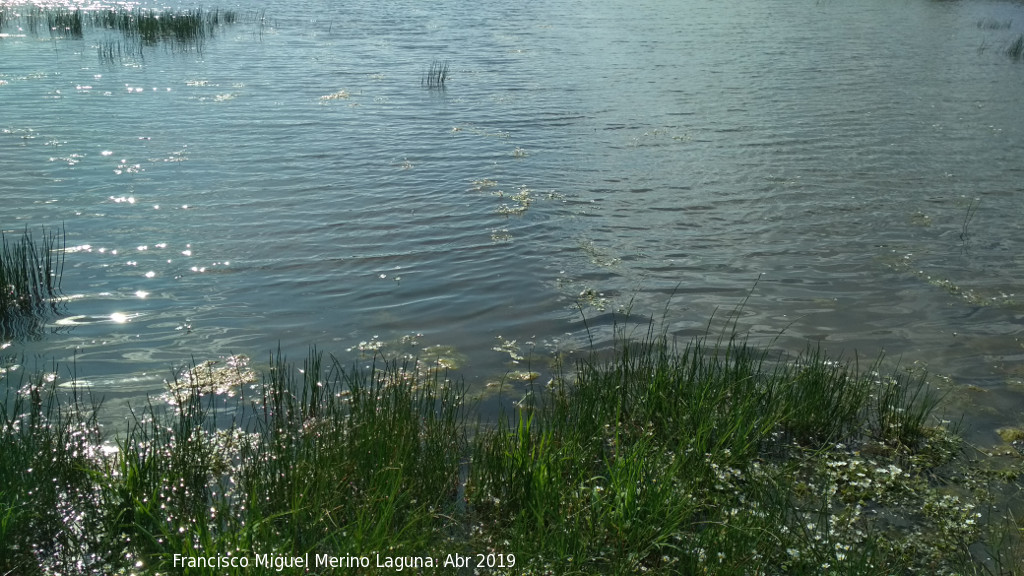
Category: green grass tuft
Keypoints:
(47, 476)
(30, 275)
(714, 458)
(182, 29)
(1016, 49)
(436, 75)
(64, 22)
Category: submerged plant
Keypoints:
(436, 75)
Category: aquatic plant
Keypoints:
(1016, 49)
(30, 275)
(993, 24)
(184, 29)
(717, 457)
(332, 461)
(113, 51)
(712, 459)
(47, 473)
(436, 75)
(64, 22)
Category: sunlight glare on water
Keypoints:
(851, 173)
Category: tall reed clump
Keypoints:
(30, 275)
(710, 459)
(713, 458)
(1016, 49)
(357, 461)
(65, 22)
(330, 461)
(181, 27)
(436, 75)
(47, 476)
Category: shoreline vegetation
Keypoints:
(712, 458)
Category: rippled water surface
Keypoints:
(855, 168)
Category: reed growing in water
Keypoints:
(151, 26)
(48, 474)
(716, 458)
(65, 22)
(1016, 49)
(436, 75)
(182, 28)
(30, 275)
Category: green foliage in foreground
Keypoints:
(712, 459)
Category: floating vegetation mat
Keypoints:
(339, 95)
(715, 458)
(513, 203)
(223, 377)
(975, 297)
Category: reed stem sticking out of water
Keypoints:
(64, 22)
(30, 274)
(47, 474)
(712, 458)
(183, 28)
(436, 75)
(1016, 50)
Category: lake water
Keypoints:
(854, 170)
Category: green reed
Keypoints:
(111, 51)
(327, 460)
(30, 275)
(716, 458)
(1016, 49)
(182, 28)
(65, 22)
(47, 475)
(993, 24)
(436, 75)
(710, 459)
